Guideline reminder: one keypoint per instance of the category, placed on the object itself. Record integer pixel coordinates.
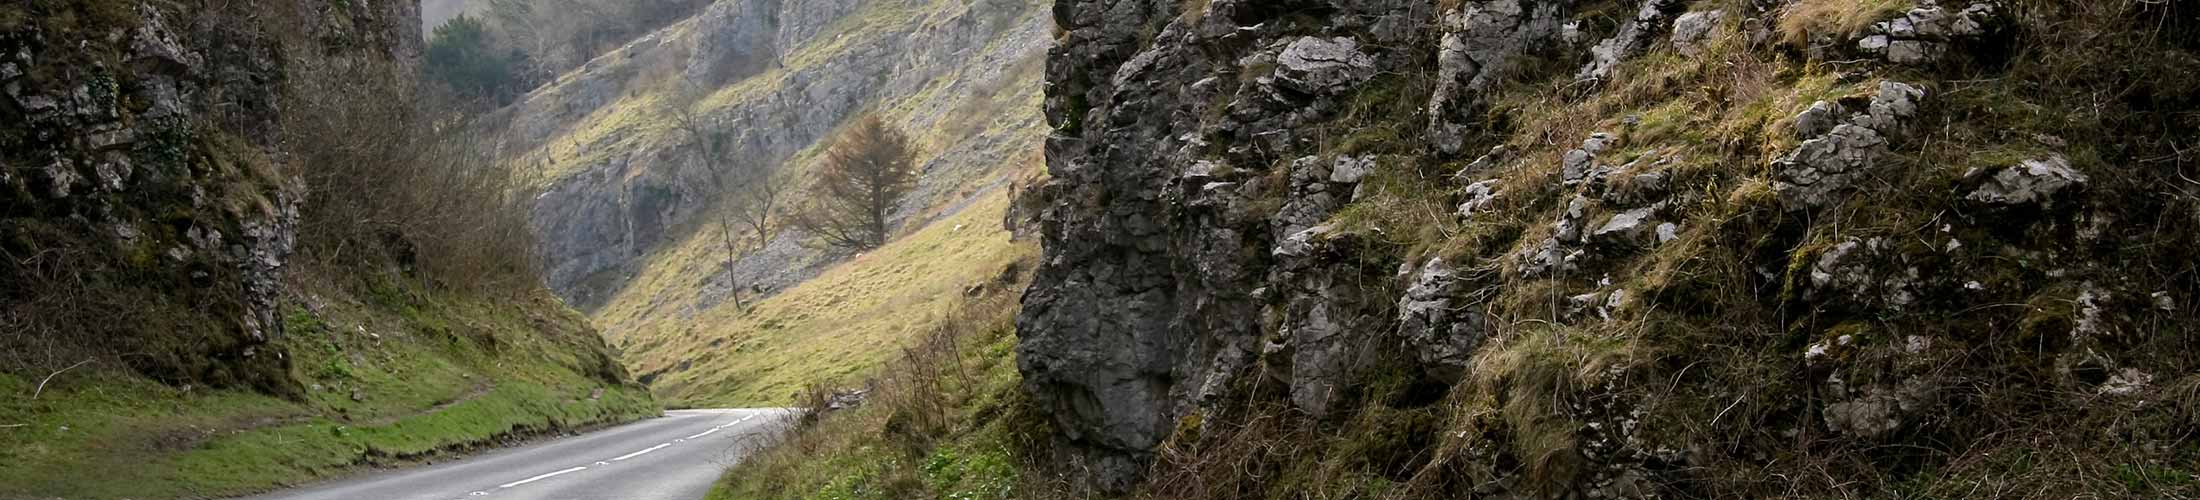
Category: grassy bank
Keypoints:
(837, 327)
(394, 375)
(946, 419)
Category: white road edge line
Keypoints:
(639, 453)
(541, 477)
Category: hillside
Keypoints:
(627, 190)
(216, 277)
(1577, 249)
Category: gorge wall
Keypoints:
(140, 185)
(1613, 248)
(780, 76)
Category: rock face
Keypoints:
(1174, 267)
(1235, 218)
(621, 195)
(143, 160)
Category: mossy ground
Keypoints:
(434, 374)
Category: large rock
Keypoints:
(1480, 40)
(1842, 146)
(2031, 182)
(1317, 65)
(1635, 35)
(1439, 321)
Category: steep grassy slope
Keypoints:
(946, 421)
(178, 321)
(395, 375)
(819, 315)
(833, 329)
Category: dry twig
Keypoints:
(50, 376)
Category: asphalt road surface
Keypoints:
(676, 457)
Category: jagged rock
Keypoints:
(1498, 155)
(153, 41)
(1923, 35)
(1690, 30)
(1480, 39)
(1852, 270)
(1892, 108)
(1579, 165)
(1817, 121)
(1479, 195)
(1627, 228)
(2032, 182)
(1439, 322)
(1323, 66)
(1350, 170)
(1548, 257)
(2092, 320)
(1635, 35)
(1825, 165)
(1821, 167)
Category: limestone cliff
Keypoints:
(1553, 248)
(782, 75)
(139, 155)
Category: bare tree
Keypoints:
(866, 172)
(756, 202)
(748, 199)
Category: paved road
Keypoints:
(676, 457)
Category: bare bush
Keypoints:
(391, 176)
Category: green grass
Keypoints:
(434, 374)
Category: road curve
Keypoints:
(676, 457)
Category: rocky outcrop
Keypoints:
(736, 40)
(140, 165)
(1925, 34)
(1842, 145)
(1235, 215)
(1479, 41)
(1174, 264)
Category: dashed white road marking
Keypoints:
(541, 477)
(620, 458)
(737, 422)
(639, 453)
